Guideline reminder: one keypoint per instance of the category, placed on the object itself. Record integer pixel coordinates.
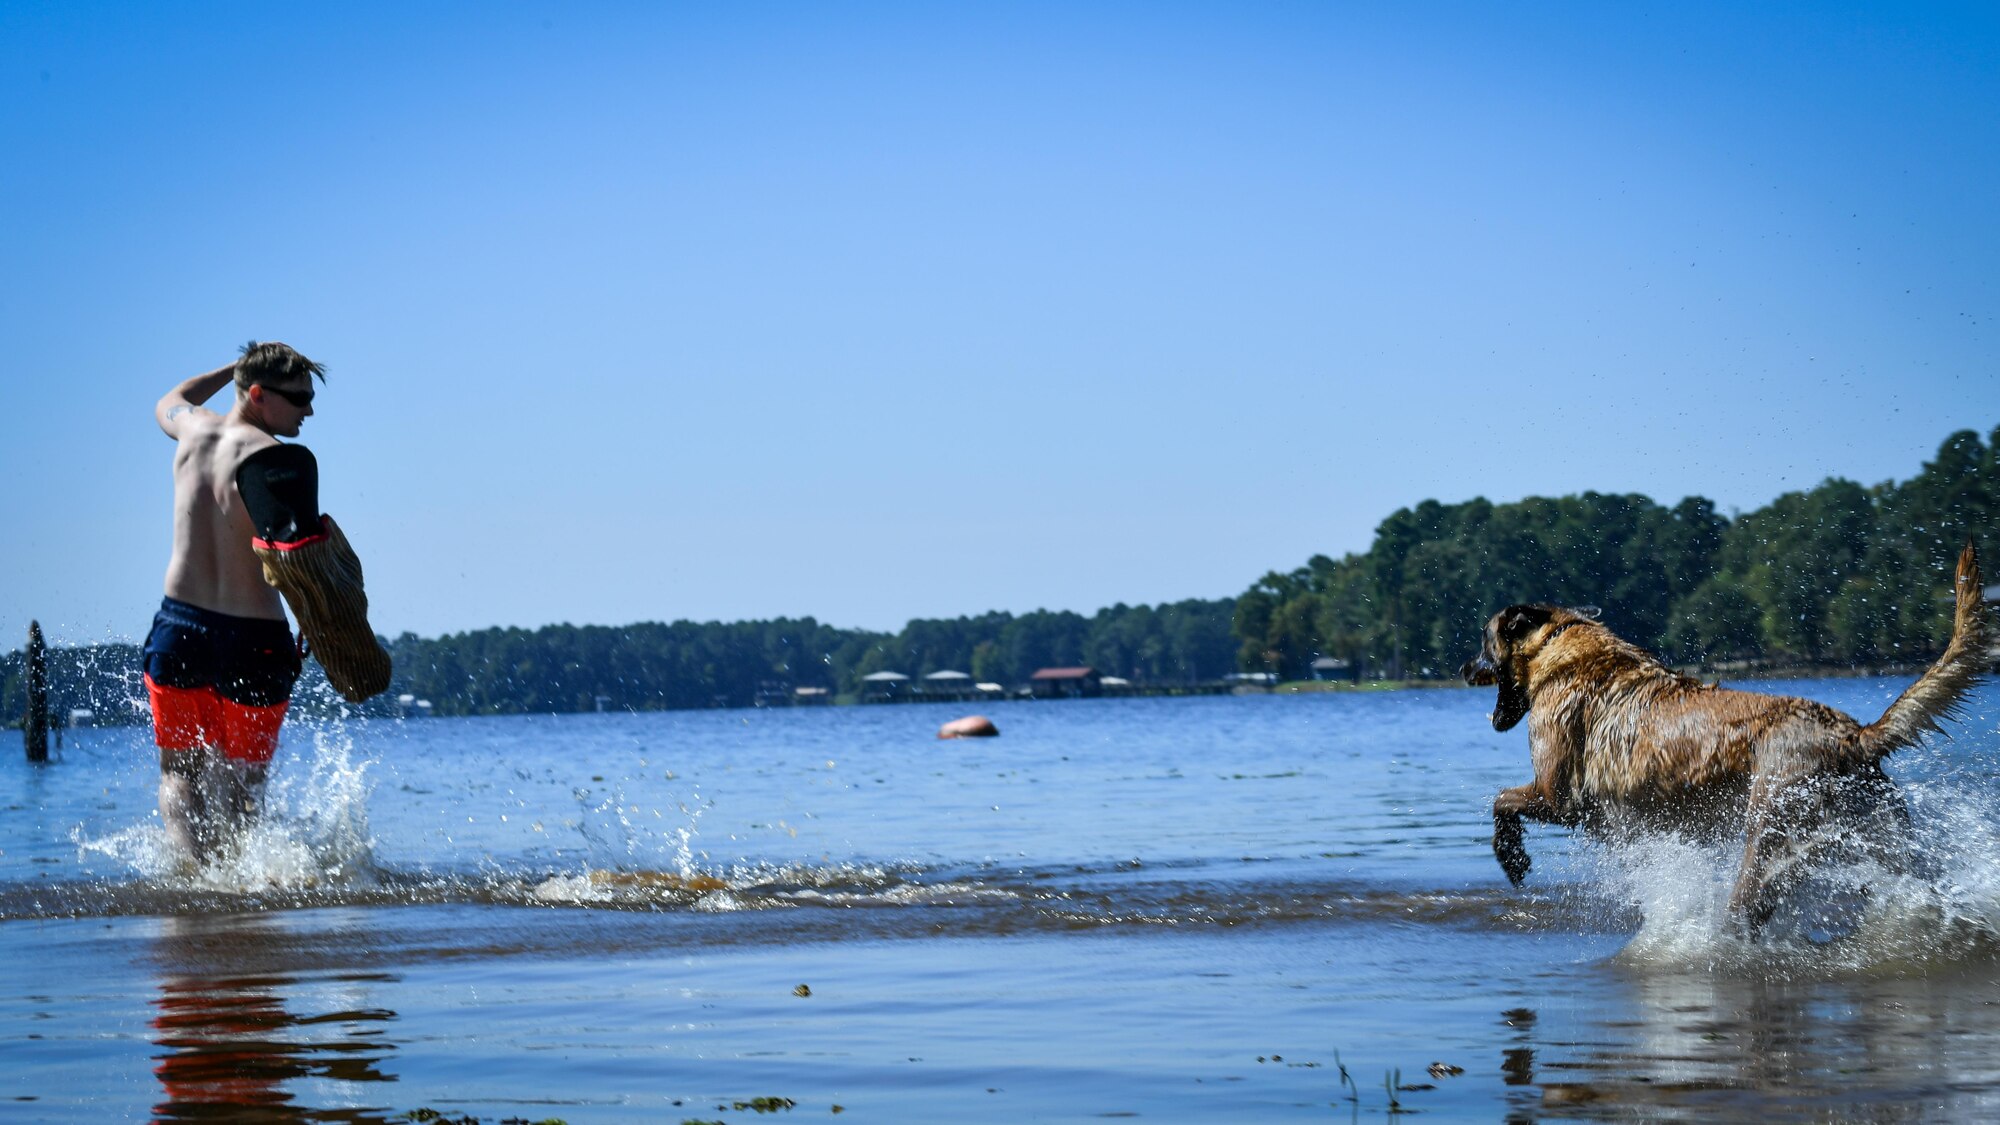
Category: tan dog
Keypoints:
(1623, 743)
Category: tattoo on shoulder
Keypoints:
(177, 411)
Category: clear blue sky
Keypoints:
(880, 311)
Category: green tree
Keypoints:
(1719, 621)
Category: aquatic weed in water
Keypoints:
(1391, 1080)
(1347, 1080)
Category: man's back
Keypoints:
(212, 565)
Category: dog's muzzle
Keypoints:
(1479, 672)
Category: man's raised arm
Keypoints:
(187, 398)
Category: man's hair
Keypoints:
(274, 363)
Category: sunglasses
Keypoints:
(300, 399)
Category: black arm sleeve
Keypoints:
(280, 489)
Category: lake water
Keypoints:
(1195, 909)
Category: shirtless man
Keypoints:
(220, 661)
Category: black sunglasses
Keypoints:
(300, 399)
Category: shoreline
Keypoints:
(1712, 673)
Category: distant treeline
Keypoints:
(1841, 574)
(652, 666)
(685, 664)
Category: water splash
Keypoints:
(312, 834)
(622, 832)
(325, 811)
(1849, 916)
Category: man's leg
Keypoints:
(187, 722)
(183, 804)
(242, 792)
(249, 739)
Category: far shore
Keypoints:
(1716, 674)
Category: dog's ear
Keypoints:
(1587, 612)
(1516, 621)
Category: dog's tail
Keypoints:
(1937, 693)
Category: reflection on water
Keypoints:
(1517, 1063)
(1701, 1046)
(241, 1045)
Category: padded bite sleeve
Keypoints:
(320, 578)
(280, 490)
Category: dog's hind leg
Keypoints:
(1755, 896)
(1778, 851)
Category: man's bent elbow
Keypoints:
(170, 412)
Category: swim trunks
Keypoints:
(219, 680)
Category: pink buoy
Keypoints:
(972, 726)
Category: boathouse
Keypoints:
(1334, 668)
(1065, 683)
(884, 687)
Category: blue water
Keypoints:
(1181, 909)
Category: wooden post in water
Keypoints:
(35, 725)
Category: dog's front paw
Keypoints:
(1510, 849)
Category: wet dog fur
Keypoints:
(1621, 743)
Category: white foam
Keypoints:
(719, 902)
(142, 847)
(570, 889)
(907, 894)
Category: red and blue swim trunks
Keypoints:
(219, 681)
